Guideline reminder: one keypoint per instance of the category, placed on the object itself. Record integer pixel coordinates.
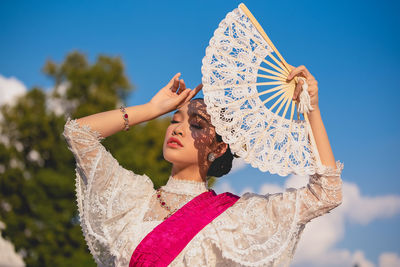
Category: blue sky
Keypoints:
(351, 47)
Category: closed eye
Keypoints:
(196, 126)
(192, 125)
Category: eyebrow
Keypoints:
(193, 114)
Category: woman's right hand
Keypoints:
(173, 96)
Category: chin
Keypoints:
(170, 156)
(175, 157)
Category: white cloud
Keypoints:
(296, 181)
(268, 189)
(389, 259)
(224, 187)
(337, 258)
(56, 104)
(317, 244)
(359, 258)
(321, 235)
(237, 164)
(10, 89)
(363, 209)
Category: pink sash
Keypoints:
(169, 238)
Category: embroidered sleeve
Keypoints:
(109, 197)
(322, 193)
(264, 230)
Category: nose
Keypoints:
(178, 130)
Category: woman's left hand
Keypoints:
(302, 71)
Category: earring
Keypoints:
(211, 157)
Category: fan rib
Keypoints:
(248, 111)
(239, 101)
(274, 66)
(266, 76)
(273, 72)
(253, 20)
(273, 96)
(272, 83)
(284, 102)
(273, 89)
(258, 94)
(279, 63)
(286, 109)
(282, 66)
(282, 69)
(271, 77)
(292, 111)
(217, 88)
(278, 101)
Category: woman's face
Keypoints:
(190, 137)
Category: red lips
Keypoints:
(172, 140)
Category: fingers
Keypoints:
(189, 93)
(297, 90)
(194, 92)
(176, 76)
(182, 86)
(178, 86)
(175, 84)
(300, 71)
(291, 67)
(184, 97)
(197, 89)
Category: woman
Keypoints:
(125, 221)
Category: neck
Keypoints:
(191, 173)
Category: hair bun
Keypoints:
(223, 164)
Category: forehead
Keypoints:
(193, 108)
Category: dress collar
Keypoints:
(186, 187)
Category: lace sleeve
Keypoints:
(264, 230)
(322, 193)
(109, 197)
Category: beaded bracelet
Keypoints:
(125, 116)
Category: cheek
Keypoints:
(167, 134)
(168, 131)
(208, 135)
(203, 140)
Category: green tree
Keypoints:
(37, 200)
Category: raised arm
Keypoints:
(324, 190)
(317, 126)
(84, 135)
(172, 96)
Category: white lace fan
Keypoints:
(250, 102)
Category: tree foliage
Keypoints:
(37, 200)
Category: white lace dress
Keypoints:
(118, 208)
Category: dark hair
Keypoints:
(223, 164)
